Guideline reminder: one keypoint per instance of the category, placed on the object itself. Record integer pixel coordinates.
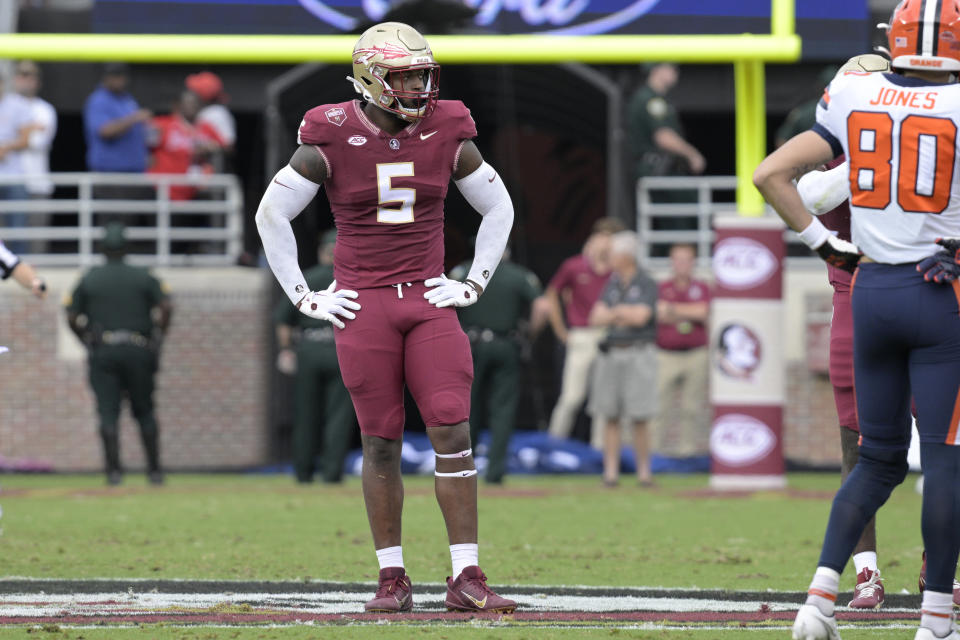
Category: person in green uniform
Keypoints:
(803, 116)
(655, 134)
(493, 325)
(121, 313)
(324, 419)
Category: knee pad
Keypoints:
(890, 465)
(449, 407)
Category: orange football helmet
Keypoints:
(925, 35)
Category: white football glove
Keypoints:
(328, 304)
(449, 293)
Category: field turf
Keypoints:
(537, 534)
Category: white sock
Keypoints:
(823, 590)
(865, 560)
(937, 612)
(390, 557)
(463, 556)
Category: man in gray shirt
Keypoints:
(624, 383)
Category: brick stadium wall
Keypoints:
(214, 378)
(211, 390)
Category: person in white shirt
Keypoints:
(35, 159)
(15, 127)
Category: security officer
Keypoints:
(121, 313)
(655, 132)
(493, 326)
(318, 386)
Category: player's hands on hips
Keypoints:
(840, 253)
(943, 266)
(444, 292)
(330, 303)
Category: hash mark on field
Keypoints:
(129, 602)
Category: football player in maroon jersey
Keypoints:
(386, 161)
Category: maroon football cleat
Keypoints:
(469, 592)
(868, 594)
(922, 582)
(395, 593)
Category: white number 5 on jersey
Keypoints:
(388, 194)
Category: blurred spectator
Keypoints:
(496, 327)
(624, 382)
(681, 428)
(121, 314)
(23, 273)
(324, 420)
(570, 295)
(178, 146)
(114, 124)
(15, 129)
(214, 119)
(802, 117)
(655, 134)
(43, 127)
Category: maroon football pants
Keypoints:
(398, 339)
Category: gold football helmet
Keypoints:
(394, 69)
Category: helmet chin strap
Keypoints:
(359, 88)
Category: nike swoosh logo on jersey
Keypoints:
(282, 185)
(480, 603)
(492, 178)
(424, 136)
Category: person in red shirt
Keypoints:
(179, 146)
(386, 162)
(683, 307)
(570, 296)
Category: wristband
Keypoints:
(815, 234)
(473, 285)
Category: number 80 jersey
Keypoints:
(386, 191)
(900, 137)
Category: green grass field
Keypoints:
(557, 530)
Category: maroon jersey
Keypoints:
(682, 335)
(387, 191)
(838, 220)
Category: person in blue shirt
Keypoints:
(114, 125)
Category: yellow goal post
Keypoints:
(747, 52)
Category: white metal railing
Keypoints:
(657, 222)
(218, 219)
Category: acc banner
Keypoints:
(747, 383)
(823, 20)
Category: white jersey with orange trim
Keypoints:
(900, 137)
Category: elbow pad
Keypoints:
(486, 193)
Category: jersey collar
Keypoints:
(913, 81)
(358, 109)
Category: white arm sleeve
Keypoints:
(486, 193)
(823, 191)
(286, 196)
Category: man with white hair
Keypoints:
(624, 382)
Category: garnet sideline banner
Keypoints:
(747, 363)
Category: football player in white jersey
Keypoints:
(22, 272)
(899, 132)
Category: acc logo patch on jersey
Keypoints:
(336, 116)
(356, 140)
